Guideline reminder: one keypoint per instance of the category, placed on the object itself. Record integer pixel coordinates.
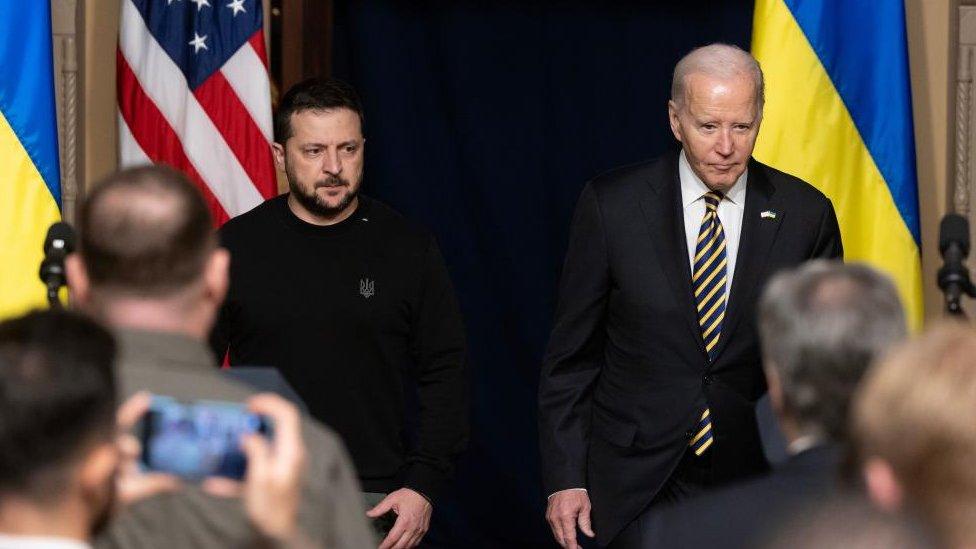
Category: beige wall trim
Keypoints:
(64, 30)
(963, 180)
(964, 102)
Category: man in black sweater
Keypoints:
(348, 300)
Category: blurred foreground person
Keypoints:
(915, 432)
(820, 325)
(67, 462)
(149, 266)
(58, 453)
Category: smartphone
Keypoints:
(199, 439)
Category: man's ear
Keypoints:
(278, 150)
(673, 111)
(97, 470)
(774, 387)
(79, 288)
(882, 484)
(216, 275)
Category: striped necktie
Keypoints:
(708, 278)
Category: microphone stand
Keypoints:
(52, 296)
(951, 277)
(52, 273)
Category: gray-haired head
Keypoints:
(821, 325)
(722, 61)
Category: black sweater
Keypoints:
(347, 313)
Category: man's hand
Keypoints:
(272, 485)
(413, 518)
(567, 508)
(132, 484)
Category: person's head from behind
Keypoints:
(146, 237)
(57, 425)
(821, 325)
(915, 433)
(717, 95)
(319, 145)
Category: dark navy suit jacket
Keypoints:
(626, 375)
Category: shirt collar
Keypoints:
(803, 443)
(693, 188)
(41, 542)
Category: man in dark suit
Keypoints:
(652, 372)
(821, 327)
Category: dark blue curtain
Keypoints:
(483, 121)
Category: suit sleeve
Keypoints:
(828, 243)
(575, 354)
(439, 351)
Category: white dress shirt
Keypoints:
(802, 444)
(730, 211)
(8, 541)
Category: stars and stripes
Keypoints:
(708, 279)
(194, 92)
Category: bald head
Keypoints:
(145, 231)
(721, 61)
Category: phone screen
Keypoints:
(198, 439)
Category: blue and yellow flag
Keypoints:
(839, 115)
(30, 188)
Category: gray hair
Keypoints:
(821, 326)
(720, 60)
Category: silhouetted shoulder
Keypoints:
(252, 221)
(392, 221)
(621, 186)
(794, 188)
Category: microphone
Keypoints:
(953, 277)
(59, 243)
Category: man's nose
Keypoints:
(724, 146)
(331, 163)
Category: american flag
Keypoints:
(194, 93)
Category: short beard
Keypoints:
(316, 205)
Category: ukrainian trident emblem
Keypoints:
(367, 287)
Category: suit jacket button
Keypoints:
(707, 379)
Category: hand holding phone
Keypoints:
(199, 439)
(194, 441)
(132, 482)
(272, 486)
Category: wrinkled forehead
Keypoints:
(333, 124)
(739, 85)
(734, 97)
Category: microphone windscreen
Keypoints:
(60, 238)
(954, 229)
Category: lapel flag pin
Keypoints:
(768, 214)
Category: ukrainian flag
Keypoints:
(839, 115)
(30, 188)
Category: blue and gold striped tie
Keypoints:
(708, 278)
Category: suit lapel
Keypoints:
(660, 203)
(758, 234)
